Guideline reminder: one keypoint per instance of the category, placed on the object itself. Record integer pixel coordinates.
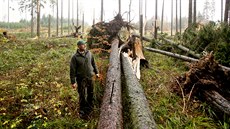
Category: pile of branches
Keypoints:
(208, 82)
(102, 33)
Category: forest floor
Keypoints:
(35, 89)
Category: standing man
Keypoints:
(82, 69)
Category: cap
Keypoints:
(81, 42)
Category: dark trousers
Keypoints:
(85, 91)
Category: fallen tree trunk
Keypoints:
(208, 82)
(141, 116)
(178, 56)
(185, 58)
(144, 38)
(182, 48)
(217, 101)
(111, 109)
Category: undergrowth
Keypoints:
(35, 88)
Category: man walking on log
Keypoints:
(82, 69)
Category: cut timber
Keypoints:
(111, 109)
(141, 115)
(185, 58)
(218, 101)
(182, 48)
(182, 57)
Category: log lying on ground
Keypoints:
(144, 38)
(178, 56)
(182, 48)
(141, 116)
(182, 57)
(207, 81)
(111, 109)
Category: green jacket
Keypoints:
(82, 66)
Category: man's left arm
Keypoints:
(94, 66)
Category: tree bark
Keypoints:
(162, 16)
(194, 13)
(190, 13)
(38, 17)
(216, 100)
(180, 19)
(83, 23)
(61, 17)
(57, 19)
(171, 17)
(222, 3)
(49, 25)
(102, 9)
(184, 58)
(8, 14)
(155, 33)
(176, 17)
(111, 109)
(68, 17)
(141, 115)
(182, 48)
(226, 11)
(32, 18)
(119, 6)
(143, 38)
(77, 14)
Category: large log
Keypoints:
(218, 101)
(141, 115)
(178, 56)
(182, 48)
(111, 109)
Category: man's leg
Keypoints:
(81, 92)
(90, 93)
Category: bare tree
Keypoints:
(102, 9)
(190, 13)
(176, 17)
(77, 14)
(61, 17)
(57, 18)
(194, 11)
(8, 14)
(38, 17)
(130, 4)
(93, 16)
(155, 33)
(68, 16)
(226, 11)
(145, 27)
(72, 11)
(222, 3)
(162, 16)
(32, 18)
(171, 17)
(119, 5)
(83, 23)
(180, 18)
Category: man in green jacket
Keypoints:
(82, 69)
